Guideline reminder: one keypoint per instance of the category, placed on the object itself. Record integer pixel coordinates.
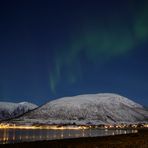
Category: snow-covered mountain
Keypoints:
(10, 110)
(87, 109)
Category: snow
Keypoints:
(11, 110)
(87, 109)
(104, 98)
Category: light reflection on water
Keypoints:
(19, 135)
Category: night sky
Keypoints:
(55, 48)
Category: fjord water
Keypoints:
(25, 135)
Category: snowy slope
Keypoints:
(11, 110)
(84, 109)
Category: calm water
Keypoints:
(19, 135)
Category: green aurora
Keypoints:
(101, 37)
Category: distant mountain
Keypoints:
(87, 109)
(10, 110)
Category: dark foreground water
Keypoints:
(21, 135)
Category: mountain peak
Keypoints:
(10, 110)
(87, 108)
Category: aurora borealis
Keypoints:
(51, 49)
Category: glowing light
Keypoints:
(52, 127)
(69, 127)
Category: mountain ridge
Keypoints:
(88, 108)
(10, 110)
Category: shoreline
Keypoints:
(137, 140)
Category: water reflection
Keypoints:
(19, 135)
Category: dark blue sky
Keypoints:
(51, 49)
